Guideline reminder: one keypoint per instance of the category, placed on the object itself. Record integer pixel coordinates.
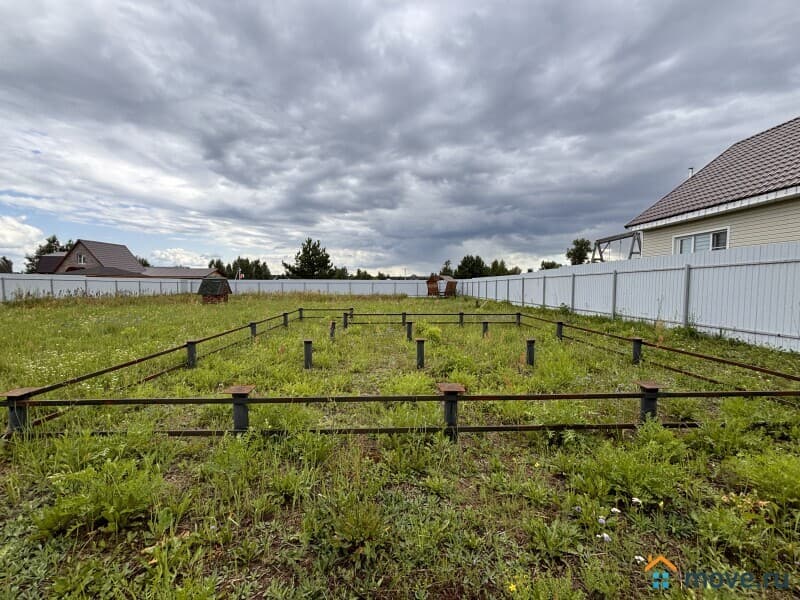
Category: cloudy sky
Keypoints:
(400, 134)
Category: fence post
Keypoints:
(648, 407)
(687, 283)
(18, 415)
(344, 320)
(241, 417)
(285, 319)
(253, 330)
(307, 352)
(508, 290)
(352, 312)
(420, 353)
(191, 354)
(409, 329)
(519, 319)
(572, 294)
(530, 352)
(544, 291)
(3, 288)
(522, 297)
(403, 318)
(451, 393)
(637, 350)
(560, 330)
(300, 313)
(614, 295)
(333, 329)
(461, 319)
(484, 328)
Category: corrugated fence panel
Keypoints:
(593, 293)
(558, 291)
(655, 295)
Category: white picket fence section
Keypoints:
(750, 293)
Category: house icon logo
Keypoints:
(660, 570)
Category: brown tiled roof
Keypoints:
(48, 263)
(178, 272)
(765, 162)
(114, 256)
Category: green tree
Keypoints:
(143, 261)
(312, 261)
(6, 266)
(361, 275)
(447, 268)
(340, 273)
(50, 245)
(219, 266)
(579, 252)
(471, 266)
(549, 264)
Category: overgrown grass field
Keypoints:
(521, 515)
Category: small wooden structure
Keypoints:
(214, 290)
(441, 290)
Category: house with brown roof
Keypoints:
(103, 259)
(748, 195)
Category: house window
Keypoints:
(81, 259)
(700, 242)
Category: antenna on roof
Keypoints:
(691, 171)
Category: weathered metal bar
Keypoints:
(519, 319)
(253, 330)
(286, 319)
(333, 330)
(420, 353)
(637, 350)
(648, 407)
(409, 329)
(451, 393)
(403, 318)
(18, 413)
(300, 313)
(484, 328)
(530, 350)
(461, 318)
(345, 317)
(560, 330)
(307, 354)
(191, 354)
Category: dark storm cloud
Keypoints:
(398, 133)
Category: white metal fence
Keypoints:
(13, 286)
(750, 293)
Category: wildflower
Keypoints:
(636, 501)
(537, 465)
(661, 504)
(615, 511)
(602, 520)
(512, 587)
(603, 536)
(640, 560)
(577, 509)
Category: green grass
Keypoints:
(523, 515)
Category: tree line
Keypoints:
(312, 261)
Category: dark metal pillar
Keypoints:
(530, 352)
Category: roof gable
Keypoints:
(766, 162)
(114, 256)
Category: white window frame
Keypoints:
(81, 258)
(709, 232)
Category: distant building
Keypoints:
(102, 259)
(748, 195)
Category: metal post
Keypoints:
(253, 328)
(530, 352)
(519, 319)
(544, 291)
(285, 319)
(403, 318)
(307, 352)
(420, 353)
(508, 290)
(560, 330)
(687, 283)
(648, 407)
(241, 417)
(451, 393)
(522, 298)
(344, 320)
(333, 329)
(191, 354)
(3, 288)
(461, 319)
(18, 415)
(637, 350)
(614, 295)
(572, 294)
(352, 312)
(484, 328)
(409, 329)
(300, 314)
